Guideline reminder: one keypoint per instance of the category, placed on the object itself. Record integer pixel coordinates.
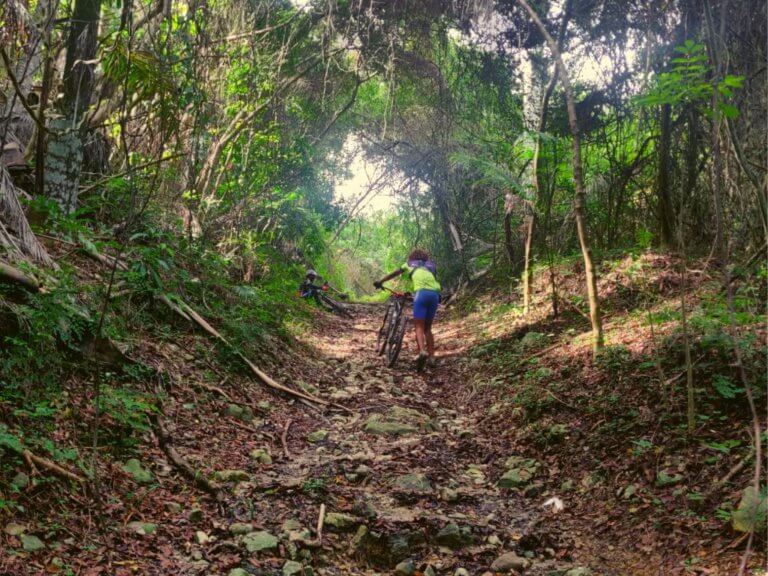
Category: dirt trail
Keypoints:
(410, 473)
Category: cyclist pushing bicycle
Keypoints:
(422, 272)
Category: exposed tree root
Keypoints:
(164, 440)
(284, 439)
(32, 461)
(11, 275)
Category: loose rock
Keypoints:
(31, 543)
(317, 436)
(261, 456)
(341, 521)
(292, 568)
(239, 528)
(142, 528)
(412, 483)
(508, 562)
(231, 475)
(260, 541)
(405, 568)
(134, 468)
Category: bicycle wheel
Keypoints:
(335, 306)
(381, 337)
(396, 339)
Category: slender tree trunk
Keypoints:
(717, 182)
(65, 148)
(509, 237)
(536, 171)
(664, 207)
(530, 227)
(578, 177)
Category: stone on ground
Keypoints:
(292, 568)
(238, 572)
(231, 475)
(260, 541)
(240, 528)
(412, 483)
(341, 521)
(140, 474)
(142, 528)
(261, 456)
(317, 436)
(508, 562)
(376, 426)
(31, 543)
(451, 536)
(405, 568)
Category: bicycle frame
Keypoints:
(393, 327)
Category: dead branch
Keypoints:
(164, 440)
(32, 460)
(284, 439)
(11, 275)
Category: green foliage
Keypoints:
(688, 82)
(725, 387)
(613, 358)
(46, 321)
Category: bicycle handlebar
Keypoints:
(395, 292)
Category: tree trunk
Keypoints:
(16, 236)
(530, 227)
(65, 147)
(578, 177)
(664, 207)
(536, 171)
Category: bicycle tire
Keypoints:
(335, 306)
(381, 337)
(396, 341)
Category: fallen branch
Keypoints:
(320, 522)
(188, 313)
(200, 321)
(738, 467)
(11, 275)
(32, 460)
(165, 443)
(284, 439)
(563, 402)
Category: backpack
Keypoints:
(426, 264)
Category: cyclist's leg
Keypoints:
(421, 342)
(431, 304)
(420, 314)
(429, 337)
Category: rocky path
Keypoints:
(407, 481)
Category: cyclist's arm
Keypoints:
(389, 276)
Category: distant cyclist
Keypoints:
(423, 273)
(308, 288)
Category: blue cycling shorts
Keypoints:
(425, 304)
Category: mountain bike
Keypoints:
(318, 294)
(389, 339)
(335, 307)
